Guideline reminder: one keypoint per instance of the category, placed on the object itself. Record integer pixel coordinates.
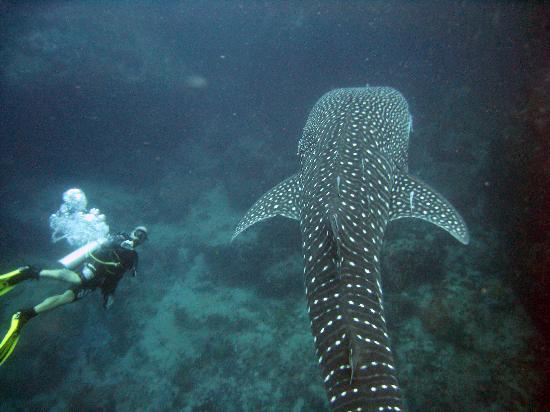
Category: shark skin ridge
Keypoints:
(352, 182)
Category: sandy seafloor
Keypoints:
(180, 117)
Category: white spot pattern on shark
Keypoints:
(353, 180)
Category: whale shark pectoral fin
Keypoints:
(282, 199)
(414, 198)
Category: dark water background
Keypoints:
(179, 115)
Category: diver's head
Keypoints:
(138, 235)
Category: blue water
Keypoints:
(179, 115)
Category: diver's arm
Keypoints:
(108, 301)
(108, 289)
(134, 268)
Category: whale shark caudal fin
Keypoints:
(282, 199)
(413, 198)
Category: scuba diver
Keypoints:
(100, 264)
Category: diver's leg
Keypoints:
(9, 280)
(20, 318)
(54, 301)
(64, 275)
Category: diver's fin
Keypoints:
(7, 346)
(9, 280)
(414, 198)
(282, 199)
(5, 288)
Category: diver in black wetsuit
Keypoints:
(101, 269)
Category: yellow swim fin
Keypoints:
(9, 280)
(7, 346)
(5, 288)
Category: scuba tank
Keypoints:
(74, 259)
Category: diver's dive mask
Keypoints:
(139, 235)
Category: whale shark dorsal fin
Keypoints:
(280, 200)
(414, 198)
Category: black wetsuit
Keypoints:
(105, 267)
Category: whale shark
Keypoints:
(353, 180)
